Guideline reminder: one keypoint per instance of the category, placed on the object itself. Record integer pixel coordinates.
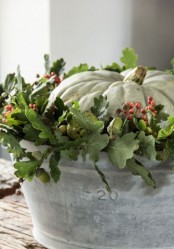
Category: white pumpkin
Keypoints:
(118, 88)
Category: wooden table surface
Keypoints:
(15, 220)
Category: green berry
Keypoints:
(142, 125)
(43, 175)
(63, 129)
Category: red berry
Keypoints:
(153, 103)
(131, 111)
(34, 106)
(9, 107)
(57, 80)
(144, 118)
(47, 76)
(125, 106)
(129, 117)
(118, 111)
(149, 101)
(137, 105)
(131, 104)
(150, 98)
(143, 111)
(30, 105)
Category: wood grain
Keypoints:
(15, 221)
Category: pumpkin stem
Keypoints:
(137, 75)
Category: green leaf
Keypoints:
(79, 69)
(147, 146)
(138, 169)
(100, 106)
(60, 107)
(171, 120)
(87, 120)
(58, 66)
(166, 132)
(172, 63)
(122, 149)
(12, 144)
(96, 143)
(159, 108)
(37, 123)
(70, 154)
(19, 79)
(16, 117)
(103, 178)
(75, 104)
(168, 151)
(53, 165)
(115, 126)
(9, 83)
(114, 67)
(129, 58)
(47, 63)
(21, 100)
(31, 134)
(7, 128)
(26, 169)
(56, 111)
(73, 144)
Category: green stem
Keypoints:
(137, 75)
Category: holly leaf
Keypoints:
(26, 169)
(122, 149)
(53, 165)
(96, 142)
(37, 123)
(103, 178)
(12, 144)
(137, 168)
(147, 146)
(100, 106)
(129, 58)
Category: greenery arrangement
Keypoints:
(69, 132)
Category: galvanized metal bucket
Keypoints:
(78, 212)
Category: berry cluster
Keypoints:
(33, 106)
(56, 78)
(7, 111)
(134, 109)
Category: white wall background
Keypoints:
(96, 31)
(24, 36)
(93, 31)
